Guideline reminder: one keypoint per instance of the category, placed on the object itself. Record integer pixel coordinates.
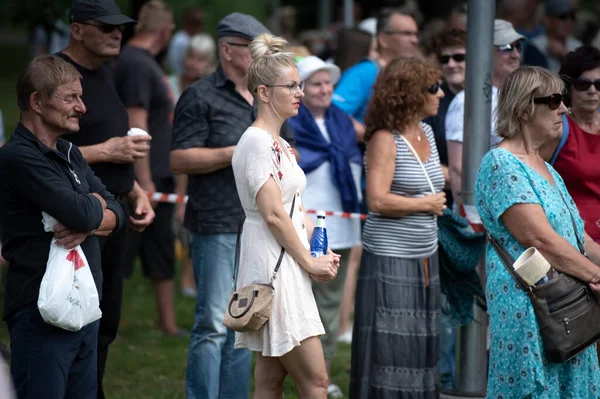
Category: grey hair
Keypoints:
(517, 93)
(203, 43)
(269, 60)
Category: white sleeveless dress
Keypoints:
(294, 316)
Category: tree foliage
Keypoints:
(35, 12)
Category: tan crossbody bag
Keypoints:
(249, 307)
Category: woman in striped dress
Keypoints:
(395, 341)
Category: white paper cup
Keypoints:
(531, 266)
(136, 131)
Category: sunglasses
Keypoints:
(508, 48)
(434, 88)
(105, 28)
(569, 15)
(444, 59)
(584, 84)
(553, 101)
(238, 44)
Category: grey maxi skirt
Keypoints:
(396, 328)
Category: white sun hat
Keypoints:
(309, 65)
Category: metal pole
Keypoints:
(348, 14)
(324, 14)
(471, 340)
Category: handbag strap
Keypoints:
(412, 149)
(508, 261)
(236, 264)
(580, 243)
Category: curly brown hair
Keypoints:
(399, 94)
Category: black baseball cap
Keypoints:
(105, 11)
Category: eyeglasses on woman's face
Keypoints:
(433, 89)
(583, 84)
(293, 87)
(460, 57)
(553, 101)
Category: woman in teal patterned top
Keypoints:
(520, 200)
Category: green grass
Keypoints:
(143, 363)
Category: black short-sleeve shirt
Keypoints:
(104, 119)
(212, 114)
(140, 82)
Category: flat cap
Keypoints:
(241, 25)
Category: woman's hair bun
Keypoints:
(266, 44)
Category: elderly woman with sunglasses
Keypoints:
(523, 202)
(397, 311)
(576, 153)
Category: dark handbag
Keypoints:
(249, 308)
(567, 313)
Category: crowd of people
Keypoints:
(255, 128)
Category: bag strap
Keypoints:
(508, 261)
(236, 264)
(412, 149)
(563, 140)
(580, 243)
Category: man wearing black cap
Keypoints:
(96, 32)
(210, 118)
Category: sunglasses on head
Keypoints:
(105, 28)
(553, 101)
(434, 88)
(508, 48)
(584, 84)
(444, 59)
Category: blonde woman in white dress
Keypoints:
(268, 179)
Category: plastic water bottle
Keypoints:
(318, 240)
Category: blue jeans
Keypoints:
(215, 369)
(447, 350)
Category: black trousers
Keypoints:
(49, 362)
(113, 256)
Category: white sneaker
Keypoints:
(333, 391)
(346, 337)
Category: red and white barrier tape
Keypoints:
(345, 215)
(170, 198)
(182, 199)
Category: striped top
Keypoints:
(415, 235)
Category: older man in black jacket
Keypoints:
(42, 172)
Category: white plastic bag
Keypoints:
(68, 297)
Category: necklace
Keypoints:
(419, 138)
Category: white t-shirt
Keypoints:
(455, 119)
(322, 194)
